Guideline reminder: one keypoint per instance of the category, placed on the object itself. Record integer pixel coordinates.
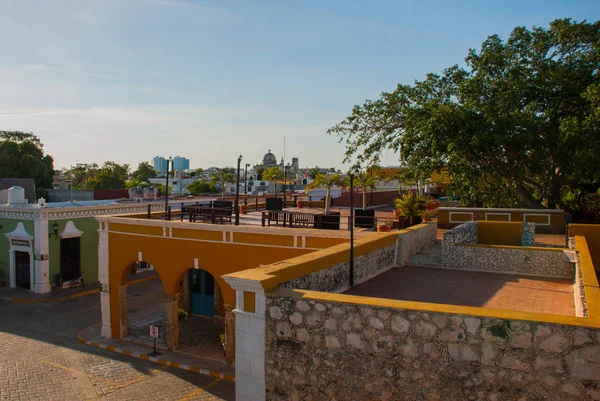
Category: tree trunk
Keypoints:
(327, 200)
(528, 199)
(275, 189)
(223, 193)
(364, 199)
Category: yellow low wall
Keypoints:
(499, 233)
(591, 232)
(546, 220)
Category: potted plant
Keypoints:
(134, 268)
(385, 227)
(411, 206)
(428, 215)
(224, 343)
(182, 317)
(299, 204)
(244, 209)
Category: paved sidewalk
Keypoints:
(91, 336)
(26, 296)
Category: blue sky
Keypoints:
(126, 80)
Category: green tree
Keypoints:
(326, 181)
(365, 181)
(313, 172)
(514, 128)
(273, 174)
(91, 177)
(144, 172)
(201, 187)
(221, 177)
(22, 156)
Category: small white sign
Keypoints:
(153, 331)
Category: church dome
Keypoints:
(269, 160)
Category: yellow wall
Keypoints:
(171, 248)
(591, 232)
(499, 233)
(460, 215)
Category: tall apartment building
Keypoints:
(181, 163)
(160, 164)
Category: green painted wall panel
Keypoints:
(9, 225)
(89, 247)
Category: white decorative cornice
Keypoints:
(74, 212)
(70, 231)
(241, 284)
(19, 234)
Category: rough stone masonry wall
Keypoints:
(537, 262)
(337, 277)
(327, 350)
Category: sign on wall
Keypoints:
(19, 242)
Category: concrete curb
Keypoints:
(160, 361)
(79, 294)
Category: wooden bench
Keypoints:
(214, 214)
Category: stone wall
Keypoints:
(337, 277)
(327, 350)
(414, 239)
(464, 234)
(523, 260)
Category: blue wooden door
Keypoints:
(202, 293)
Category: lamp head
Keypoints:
(240, 158)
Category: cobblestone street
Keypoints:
(41, 359)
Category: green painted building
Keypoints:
(39, 242)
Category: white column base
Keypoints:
(106, 330)
(42, 281)
(249, 356)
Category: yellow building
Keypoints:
(183, 251)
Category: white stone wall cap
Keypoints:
(481, 209)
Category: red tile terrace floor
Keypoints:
(468, 288)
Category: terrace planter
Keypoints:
(384, 228)
(364, 218)
(328, 221)
(244, 209)
(299, 204)
(274, 203)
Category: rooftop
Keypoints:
(471, 288)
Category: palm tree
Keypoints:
(222, 176)
(273, 174)
(405, 177)
(365, 181)
(327, 181)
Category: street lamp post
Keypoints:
(284, 184)
(237, 193)
(167, 186)
(351, 222)
(246, 184)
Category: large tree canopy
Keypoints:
(144, 172)
(517, 126)
(22, 156)
(91, 177)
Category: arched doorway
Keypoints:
(202, 292)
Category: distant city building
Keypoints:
(181, 163)
(160, 164)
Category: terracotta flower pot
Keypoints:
(244, 209)
(397, 214)
(384, 228)
(299, 204)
